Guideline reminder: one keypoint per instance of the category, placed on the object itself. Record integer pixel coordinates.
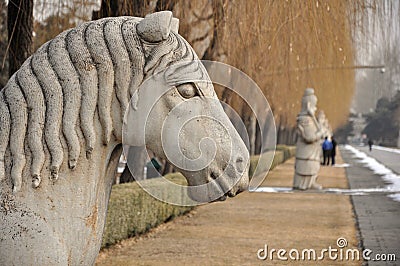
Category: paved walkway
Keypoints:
(378, 215)
(232, 232)
(389, 159)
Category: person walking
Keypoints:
(333, 152)
(370, 143)
(326, 150)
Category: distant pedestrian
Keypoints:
(370, 143)
(326, 149)
(333, 152)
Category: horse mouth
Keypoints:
(221, 187)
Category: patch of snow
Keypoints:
(379, 169)
(120, 170)
(343, 165)
(386, 149)
(273, 189)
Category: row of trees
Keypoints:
(284, 46)
(383, 124)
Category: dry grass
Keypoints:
(231, 232)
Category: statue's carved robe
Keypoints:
(308, 151)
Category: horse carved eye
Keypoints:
(187, 90)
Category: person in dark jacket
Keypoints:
(370, 143)
(326, 150)
(333, 152)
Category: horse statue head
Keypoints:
(62, 116)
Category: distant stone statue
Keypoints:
(308, 147)
(324, 123)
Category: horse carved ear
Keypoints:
(155, 27)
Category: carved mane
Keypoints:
(60, 88)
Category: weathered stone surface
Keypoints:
(308, 147)
(70, 97)
(155, 30)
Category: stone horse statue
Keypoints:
(61, 117)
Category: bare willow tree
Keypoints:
(20, 28)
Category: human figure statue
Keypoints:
(308, 147)
(324, 123)
(326, 150)
(333, 152)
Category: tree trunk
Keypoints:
(250, 123)
(3, 44)
(20, 27)
(137, 8)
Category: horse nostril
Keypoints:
(213, 175)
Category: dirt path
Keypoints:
(231, 232)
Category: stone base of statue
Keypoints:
(304, 182)
(306, 173)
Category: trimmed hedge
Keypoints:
(289, 151)
(282, 153)
(132, 211)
